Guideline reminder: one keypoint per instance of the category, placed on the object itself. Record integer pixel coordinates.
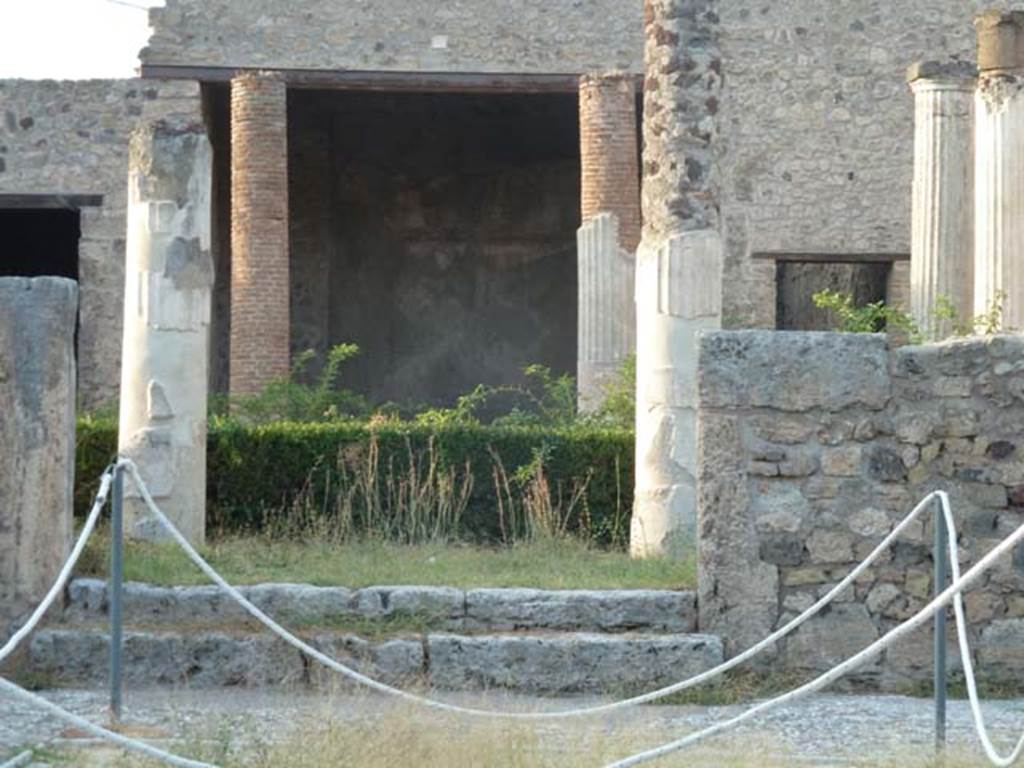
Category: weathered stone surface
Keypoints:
(77, 142)
(610, 611)
(1001, 649)
(166, 347)
(393, 661)
(579, 663)
(429, 602)
(298, 605)
(537, 664)
(202, 660)
(768, 541)
(784, 370)
(396, 35)
(37, 432)
(831, 638)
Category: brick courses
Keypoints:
(259, 232)
(610, 175)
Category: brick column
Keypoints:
(260, 322)
(999, 168)
(609, 163)
(610, 233)
(942, 261)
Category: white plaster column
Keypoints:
(606, 332)
(678, 286)
(168, 282)
(942, 240)
(999, 167)
(678, 295)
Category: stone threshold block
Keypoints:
(478, 610)
(540, 664)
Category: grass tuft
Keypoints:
(562, 563)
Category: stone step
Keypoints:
(442, 608)
(540, 664)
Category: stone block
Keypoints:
(843, 462)
(831, 638)
(201, 660)
(783, 370)
(37, 432)
(573, 664)
(593, 611)
(1001, 647)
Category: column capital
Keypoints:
(1000, 41)
(951, 75)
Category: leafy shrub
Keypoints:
(292, 399)
(878, 317)
(870, 318)
(409, 481)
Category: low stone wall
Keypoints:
(811, 447)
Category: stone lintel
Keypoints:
(1000, 41)
(946, 74)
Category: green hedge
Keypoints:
(255, 471)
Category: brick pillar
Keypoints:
(609, 163)
(259, 232)
(608, 238)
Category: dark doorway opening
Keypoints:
(798, 282)
(37, 242)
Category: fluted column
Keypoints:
(606, 314)
(165, 358)
(610, 208)
(678, 277)
(942, 241)
(999, 167)
(260, 321)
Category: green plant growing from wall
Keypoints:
(875, 317)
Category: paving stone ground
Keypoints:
(844, 730)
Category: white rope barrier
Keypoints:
(65, 572)
(965, 649)
(950, 594)
(661, 693)
(134, 745)
(59, 583)
(18, 760)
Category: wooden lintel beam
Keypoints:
(51, 201)
(818, 257)
(468, 82)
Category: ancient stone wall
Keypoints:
(812, 446)
(72, 137)
(815, 147)
(522, 36)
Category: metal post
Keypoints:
(116, 582)
(939, 558)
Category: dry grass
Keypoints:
(410, 738)
(564, 563)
